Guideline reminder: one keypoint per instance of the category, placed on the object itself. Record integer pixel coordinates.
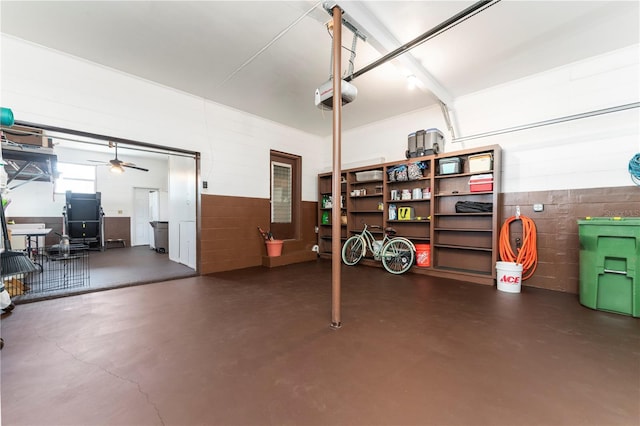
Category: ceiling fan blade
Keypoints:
(116, 163)
(132, 166)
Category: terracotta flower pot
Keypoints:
(274, 247)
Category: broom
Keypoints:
(12, 262)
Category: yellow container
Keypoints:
(480, 163)
(406, 213)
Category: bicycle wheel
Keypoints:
(397, 256)
(353, 250)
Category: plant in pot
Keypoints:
(274, 247)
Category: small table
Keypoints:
(30, 234)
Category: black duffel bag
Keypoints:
(473, 207)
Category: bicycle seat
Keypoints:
(390, 231)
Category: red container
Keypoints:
(423, 255)
(481, 183)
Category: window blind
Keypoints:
(280, 193)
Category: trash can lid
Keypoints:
(631, 221)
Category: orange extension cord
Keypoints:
(528, 253)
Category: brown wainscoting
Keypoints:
(118, 228)
(54, 222)
(308, 224)
(114, 227)
(229, 237)
(301, 250)
(557, 227)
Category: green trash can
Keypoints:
(609, 255)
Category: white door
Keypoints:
(182, 207)
(188, 243)
(141, 229)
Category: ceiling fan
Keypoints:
(117, 165)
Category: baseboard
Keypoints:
(289, 258)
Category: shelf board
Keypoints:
(464, 229)
(413, 200)
(331, 208)
(329, 225)
(413, 237)
(359, 231)
(367, 211)
(365, 196)
(462, 270)
(409, 221)
(465, 214)
(462, 174)
(450, 246)
(405, 182)
(361, 182)
(463, 194)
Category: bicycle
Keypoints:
(397, 253)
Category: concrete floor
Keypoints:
(112, 268)
(253, 347)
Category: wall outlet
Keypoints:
(119, 211)
(538, 207)
(205, 184)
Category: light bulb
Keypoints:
(412, 81)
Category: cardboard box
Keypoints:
(25, 136)
(481, 183)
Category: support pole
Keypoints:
(336, 191)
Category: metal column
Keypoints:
(337, 172)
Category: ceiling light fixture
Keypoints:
(412, 82)
(116, 168)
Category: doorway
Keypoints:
(285, 195)
(125, 203)
(141, 230)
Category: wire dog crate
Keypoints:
(58, 271)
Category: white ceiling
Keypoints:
(198, 46)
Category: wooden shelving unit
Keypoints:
(417, 227)
(466, 243)
(463, 245)
(324, 213)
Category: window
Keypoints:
(281, 193)
(76, 178)
(285, 195)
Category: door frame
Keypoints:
(293, 231)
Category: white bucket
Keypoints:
(509, 276)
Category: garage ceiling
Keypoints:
(206, 48)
